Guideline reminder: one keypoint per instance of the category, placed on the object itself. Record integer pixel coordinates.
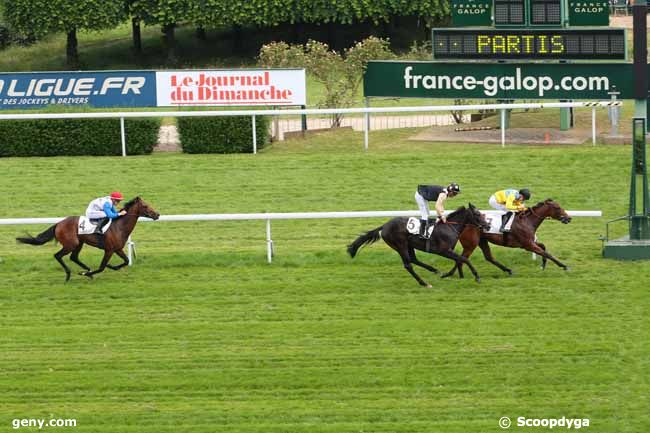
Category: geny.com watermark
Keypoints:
(42, 423)
(564, 422)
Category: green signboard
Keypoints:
(495, 44)
(497, 80)
(588, 13)
(471, 13)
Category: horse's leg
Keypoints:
(467, 251)
(75, 257)
(487, 253)
(451, 254)
(124, 257)
(542, 246)
(415, 261)
(535, 248)
(59, 258)
(102, 266)
(407, 265)
(469, 238)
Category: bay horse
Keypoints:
(112, 242)
(522, 235)
(442, 241)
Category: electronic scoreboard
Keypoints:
(563, 43)
(530, 30)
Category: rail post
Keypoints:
(130, 247)
(269, 242)
(123, 136)
(503, 127)
(593, 126)
(254, 135)
(366, 126)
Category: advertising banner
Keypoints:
(239, 87)
(498, 80)
(96, 89)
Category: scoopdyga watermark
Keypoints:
(550, 423)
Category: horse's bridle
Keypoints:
(532, 210)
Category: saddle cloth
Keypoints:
(413, 226)
(494, 218)
(85, 227)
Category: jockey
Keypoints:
(437, 193)
(102, 209)
(511, 201)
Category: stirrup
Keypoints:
(424, 231)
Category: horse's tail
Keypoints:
(40, 239)
(365, 239)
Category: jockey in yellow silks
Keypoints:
(509, 200)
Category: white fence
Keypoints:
(263, 216)
(503, 108)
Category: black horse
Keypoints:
(442, 241)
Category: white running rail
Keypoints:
(367, 111)
(264, 216)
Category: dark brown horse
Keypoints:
(442, 242)
(522, 235)
(111, 242)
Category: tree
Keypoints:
(42, 17)
(340, 74)
(167, 14)
(136, 34)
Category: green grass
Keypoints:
(202, 335)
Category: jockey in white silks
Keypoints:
(102, 209)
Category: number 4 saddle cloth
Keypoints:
(86, 227)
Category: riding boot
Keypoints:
(424, 228)
(504, 222)
(102, 222)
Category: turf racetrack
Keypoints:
(202, 335)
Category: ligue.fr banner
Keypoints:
(95, 89)
(114, 89)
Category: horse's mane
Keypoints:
(131, 202)
(457, 211)
(539, 204)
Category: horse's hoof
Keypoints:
(509, 272)
(435, 271)
(566, 268)
(88, 274)
(67, 277)
(478, 279)
(429, 286)
(445, 275)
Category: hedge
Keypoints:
(221, 134)
(54, 137)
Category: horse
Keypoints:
(522, 235)
(113, 241)
(442, 240)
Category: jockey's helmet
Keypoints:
(116, 195)
(453, 187)
(525, 193)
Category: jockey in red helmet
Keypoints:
(102, 209)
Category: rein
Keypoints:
(532, 210)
